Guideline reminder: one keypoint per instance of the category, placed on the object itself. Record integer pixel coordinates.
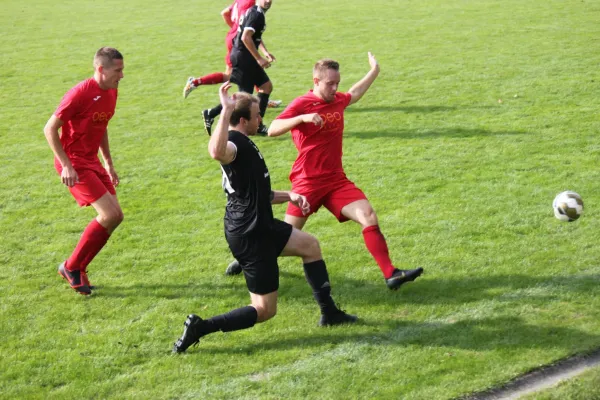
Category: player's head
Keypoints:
(326, 78)
(264, 4)
(108, 67)
(246, 114)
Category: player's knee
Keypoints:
(113, 218)
(369, 217)
(266, 87)
(313, 248)
(265, 312)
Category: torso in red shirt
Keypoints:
(319, 148)
(85, 111)
(238, 9)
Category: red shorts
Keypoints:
(334, 196)
(93, 184)
(229, 45)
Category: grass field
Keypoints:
(482, 113)
(583, 387)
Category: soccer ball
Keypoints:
(568, 206)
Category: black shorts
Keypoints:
(257, 254)
(247, 73)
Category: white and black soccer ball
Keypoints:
(568, 206)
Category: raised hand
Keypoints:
(226, 101)
(372, 61)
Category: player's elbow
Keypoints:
(214, 152)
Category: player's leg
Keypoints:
(295, 221)
(94, 188)
(258, 257)
(361, 212)
(306, 246)
(263, 308)
(213, 78)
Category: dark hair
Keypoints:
(243, 107)
(105, 56)
(323, 65)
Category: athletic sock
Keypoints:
(263, 102)
(210, 79)
(234, 320)
(378, 248)
(215, 111)
(318, 279)
(92, 240)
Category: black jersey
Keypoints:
(247, 183)
(255, 20)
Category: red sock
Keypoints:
(92, 240)
(378, 248)
(210, 79)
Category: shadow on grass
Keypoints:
(430, 289)
(404, 109)
(457, 132)
(427, 290)
(501, 333)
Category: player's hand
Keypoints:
(300, 201)
(263, 62)
(114, 178)
(270, 57)
(372, 61)
(226, 101)
(314, 119)
(69, 176)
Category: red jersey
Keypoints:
(85, 111)
(319, 148)
(238, 9)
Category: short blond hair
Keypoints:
(323, 65)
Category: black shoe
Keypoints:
(208, 122)
(75, 280)
(401, 276)
(337, 317)
(234, 268)
(191, 333)
(263, 130)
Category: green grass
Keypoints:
(462, 184)
(583, 387)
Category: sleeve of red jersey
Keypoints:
(347, 98)
(292, 110)
(69, 105)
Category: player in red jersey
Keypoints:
(316, 121)
(83, 116)
(232, 16)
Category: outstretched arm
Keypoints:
(219, 147)
(294, 198)
(281, 126)
(360, 88)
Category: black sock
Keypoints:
(318, 279)
(263, 102)
(215, 111)
(234, 320)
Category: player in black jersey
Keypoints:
(255, 238)
(248, 64)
